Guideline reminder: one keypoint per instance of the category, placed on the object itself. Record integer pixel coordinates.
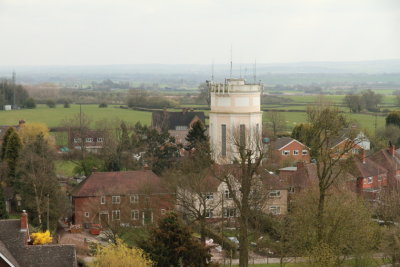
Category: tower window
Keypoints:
(223, 140)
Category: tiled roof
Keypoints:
(273, 181)
(367, 169)
(281, 142)
(7, 254)
(119, 183)
(33, 256)
(304, 176)
(169, 120)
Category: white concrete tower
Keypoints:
(235, 114)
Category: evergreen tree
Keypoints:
(11, 153)
(393, 118)
(196, 136)
(3, 211)
(9, 131)
(172, 244)
(39, 185)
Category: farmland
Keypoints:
(294, 112)
(53, 117)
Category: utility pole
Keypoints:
(48, 212)
(13, 85)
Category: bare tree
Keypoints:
(276, 121)
(244, 184)
(327, 126)
(195, 188)
(204, 95)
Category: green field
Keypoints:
(54, 116)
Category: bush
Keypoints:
(51, 103)
(66, 105)
(30, 103)
(103, 105)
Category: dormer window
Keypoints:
(181, 128)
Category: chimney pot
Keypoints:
(24, 221)
(300, 165)
(363, 157)
(392, 150)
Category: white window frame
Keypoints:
(370, 180)
(275, 210)
(103, 200)
(100, 139)
(295, 152)
(227, 194)
(89, 140)
(379, 177)
(285, 152)
(304, 152)
(229, 212)
(116, 199)
(274, 194)
(209, 195)
(116, 212)
(86, 214)
(76, 140)
(134, 198)
(181, 128)
(163, 211)
(209, 213)
(135, 215)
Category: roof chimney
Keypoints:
(24, 226)
(363, 157)
(392, 149)
(24, 221)
(300, 165)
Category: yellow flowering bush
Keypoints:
(41, 238)
(120, 255)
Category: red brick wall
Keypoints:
(291, 148)
(363, 182)
(93, 206)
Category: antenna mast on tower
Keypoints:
(255, 71)
(231, 63)
(212, 71)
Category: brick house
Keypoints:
(92, 140)
(16, 251)
(345, 147)
(287, 149)
(130, 198)
(177, 124)
(389, 159)
(370, 176)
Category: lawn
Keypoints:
(53, 116)
(366, 121)
(65, 168)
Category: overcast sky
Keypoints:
(93, 32)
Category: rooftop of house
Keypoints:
(170, 120)
(119, 183)
(366, 168)
(273, 181)
(389, 158)
(281, 142)
(15, 250)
